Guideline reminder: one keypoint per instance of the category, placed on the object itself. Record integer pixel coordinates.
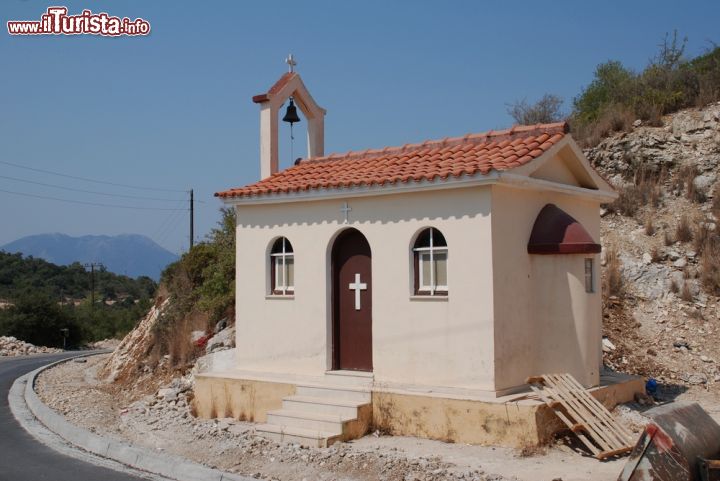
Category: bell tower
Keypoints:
(289, 85)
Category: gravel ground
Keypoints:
(164, 421)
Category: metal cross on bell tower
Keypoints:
(291, 63)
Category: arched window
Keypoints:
(431, 257)
(282, 267)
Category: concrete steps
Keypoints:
(335, 393)
(306, 437)
(319, 415)
(338, 407)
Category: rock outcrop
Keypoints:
(9, 346)
(689, 137)
(134, 347)
(666, 321)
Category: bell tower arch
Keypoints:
(289, 85)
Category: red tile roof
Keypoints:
(282, 81)
(450, 157)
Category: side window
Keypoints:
(589, 276)
(282, 267)
(431, 257)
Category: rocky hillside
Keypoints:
(661, 253)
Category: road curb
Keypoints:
(142, 458)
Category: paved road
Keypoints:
(22, 458)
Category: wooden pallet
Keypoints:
(582, 414)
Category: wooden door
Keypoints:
(352, 302)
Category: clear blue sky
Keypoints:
(173, 110)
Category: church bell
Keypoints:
(291, 115)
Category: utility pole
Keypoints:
(92, 266)
(192, 218)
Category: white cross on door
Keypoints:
(357, 286)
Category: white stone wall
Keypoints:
(545, 322)
(509, 314)
(416, 341)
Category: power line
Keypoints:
(94, 204)
(170, 227)
(85, 179)
(87, 191)
(161, 227)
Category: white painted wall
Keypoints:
(420, 342)
(545, 322)
(509, 314)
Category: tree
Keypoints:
(38, 319)
(613, 85)
(544, 111)
(671, 52)
(217, 293)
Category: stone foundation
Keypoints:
(243, 399)
(510, 421)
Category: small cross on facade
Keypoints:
(291, 62)
(345, 209)
(357, 286)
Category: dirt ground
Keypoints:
(73, 389)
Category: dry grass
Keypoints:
(674, 288)
(685, 294)
(178, 343)
(681, 177)
(701, 237)
(627, 201)
(613, 281)
(668, 238)
(683, 231)
(615, 118)
(684, 180)
(655, 254)
(649, 226)
(710, 265)
(645, 190)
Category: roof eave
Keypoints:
(522, 181)
(494, 177)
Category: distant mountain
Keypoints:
(129, 254)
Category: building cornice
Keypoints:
(494, 178)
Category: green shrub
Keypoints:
(617, 95)
(200, 285)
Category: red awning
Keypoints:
(557, 232)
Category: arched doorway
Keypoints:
(352, 302)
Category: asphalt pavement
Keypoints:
(22, 458)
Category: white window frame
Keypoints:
(422, 252)
(589, 275)
(279, 262)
